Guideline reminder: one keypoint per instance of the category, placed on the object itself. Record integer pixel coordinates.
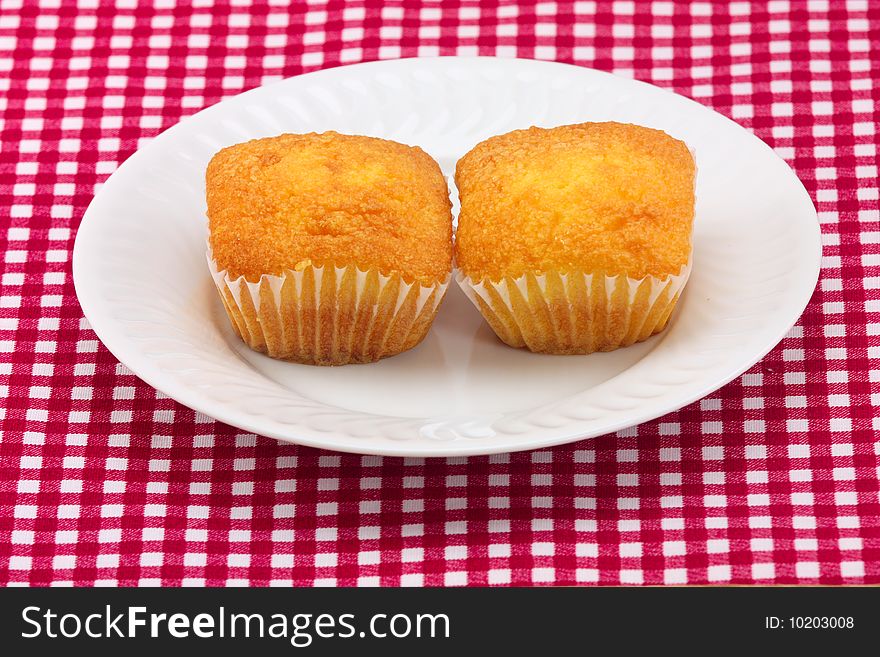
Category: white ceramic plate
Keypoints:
(140, 273)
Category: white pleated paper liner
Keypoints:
(328, 315)
(575, 312)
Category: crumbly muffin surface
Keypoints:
(597, 197)
(328, 199)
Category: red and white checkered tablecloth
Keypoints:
(772, 479)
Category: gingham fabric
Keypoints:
(772, 479)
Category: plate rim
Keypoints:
(149, 372)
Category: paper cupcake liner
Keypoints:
(328, 315)
(576, 312)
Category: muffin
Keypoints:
(326, 248)
(575, 239)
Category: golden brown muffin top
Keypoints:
(293, 200)
(607, 198)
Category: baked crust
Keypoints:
(606, 198)
(291, 201)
